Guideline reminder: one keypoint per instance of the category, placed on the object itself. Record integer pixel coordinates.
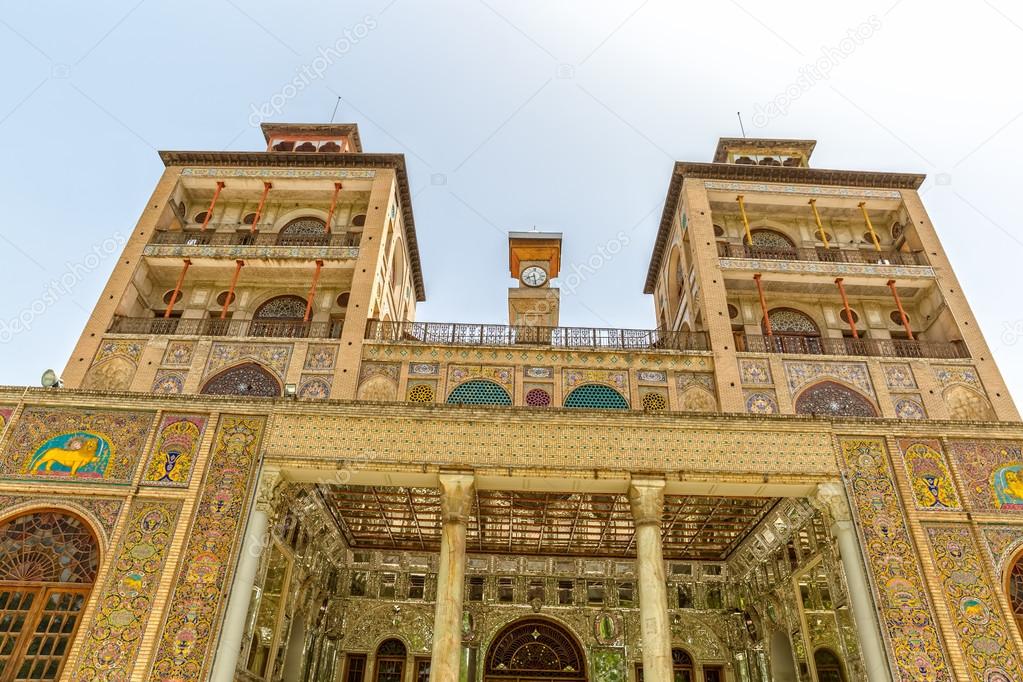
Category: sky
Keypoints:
(563, 115)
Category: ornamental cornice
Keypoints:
(814, 267)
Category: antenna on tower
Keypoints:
(336, 105)
(741, 126)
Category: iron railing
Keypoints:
(452, 334)
(248, 238)
(281, 329)
(816, 345)
(821, 254)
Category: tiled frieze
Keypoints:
(79, 445)
(929, 476)
(980, 628)
(111, 644)
(193, 614)
(992, 473)
(907, 617)
(177, 445)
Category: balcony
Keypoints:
(278, 329)
(816, 345)
(248, 244)
(449, 334)
(820, 254)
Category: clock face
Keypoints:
(534, 276)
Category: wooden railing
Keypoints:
(446, 333)
(821, 254)
(816, 345)
(248, 238)
(282, 329)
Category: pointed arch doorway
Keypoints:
(535, 650)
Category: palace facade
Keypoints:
(262, 467)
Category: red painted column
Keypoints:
(262, 202)
(312, 291)
(230, 291)
(848, 310)
(333, 205)
(213, 204)
(177, 289)
(902, 311)
(763, 305)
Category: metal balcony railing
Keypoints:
(821, 254)
(248, 238)
(816, 345)
(280, 329)
(445, 333)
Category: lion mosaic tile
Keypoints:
(908, 624)
(992, 474)
(562, 444)
(982, 631)
(929, 476)
(111, 644)
(177, 444)
(196, 599)
(78, 445)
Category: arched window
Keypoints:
(535, 649)
(330, 147)
(771, 240)
(829, 666)
(479, 392)
(303, 231)
(596, 397)
(829, 398)
(249, 379)
(1014, 588)
(280, 316)
(48, 564)
(792, 322)
(306, 147)
(391, 655)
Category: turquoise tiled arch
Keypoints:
(479, 392)
(596, 397)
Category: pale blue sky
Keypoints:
(566, 115)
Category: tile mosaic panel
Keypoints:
(908, 407)
(177, 445)
(391, 370)
(539, 372)
(899, 376)
(193, 614)
(274, 357)
(957, 374)
(704, 380)
(112, 642)
(854, 374)
(110, 348)
(929, 475)
(652, 376)
(755, 371)
(577, 377)
(313, 387)
(5, 417)
(761, 402)
(992, 473)
(320, 357)
(1002, 541)
(168, 383)
(907, 617)
(424, 368)
(178, 354)
(505, 376)
(75, 444)
(981, 630)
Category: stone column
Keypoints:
(230, 645)
(647, 501)
(832, 498)
(455, 504)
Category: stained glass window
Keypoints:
(304, 226)
(48, 562)
(789, 321)
(769, 239)
(832, 399)
(479, 392)
(535, 646)
(596, 397)
(248, 379)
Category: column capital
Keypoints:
(266, 489)
(646, 497)
(830, 497)
(456, 497)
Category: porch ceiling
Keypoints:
(542, 523)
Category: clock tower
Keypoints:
(534, 259)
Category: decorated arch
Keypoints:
(535, 649)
